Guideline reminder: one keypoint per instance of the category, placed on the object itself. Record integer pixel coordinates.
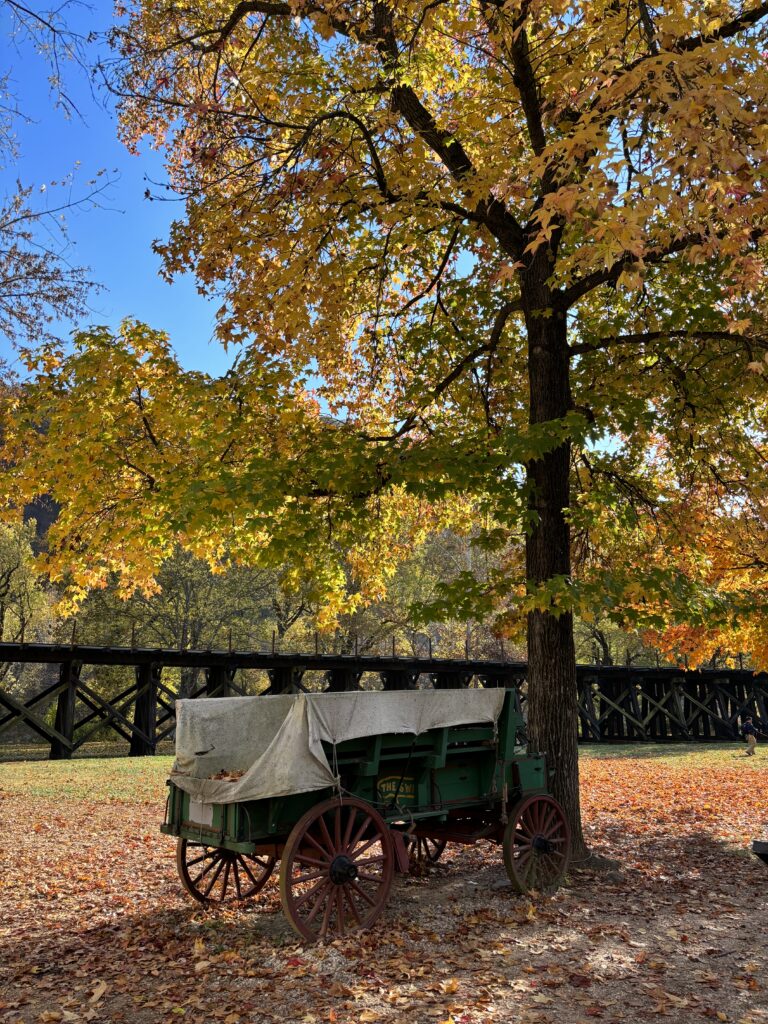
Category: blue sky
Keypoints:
(115, 239)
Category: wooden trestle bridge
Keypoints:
(614, 703)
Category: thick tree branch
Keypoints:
(452, 154)
(527, 86)
(610, 275)
(648, 337)
(726, 31)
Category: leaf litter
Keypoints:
(94, 926)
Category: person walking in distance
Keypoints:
(749, 733)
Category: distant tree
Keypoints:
(22, 599)
(191, 608)
(40, 286)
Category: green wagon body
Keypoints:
(451, 773)
(455, 784)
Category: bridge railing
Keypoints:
(615, 704)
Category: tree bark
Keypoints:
(552, 692)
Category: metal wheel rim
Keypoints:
(215, 876)
(537, 845)
(347, 830)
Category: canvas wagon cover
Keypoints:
(276, 741)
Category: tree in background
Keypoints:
(40, 285)
(23, 603)
(515, 250)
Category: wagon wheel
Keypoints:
(423, 850)
(212, 875)
(336, 869)
(537, 844)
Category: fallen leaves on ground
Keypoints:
(95, 926)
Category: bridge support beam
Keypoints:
(69, 677)
(145, 710)
(400, 679)
(218, 681)
(341, 680)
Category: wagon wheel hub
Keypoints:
(343, 870)
(541, 845)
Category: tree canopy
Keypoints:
(513, 249)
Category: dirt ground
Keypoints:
(95, 927)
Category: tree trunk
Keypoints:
(552, 693)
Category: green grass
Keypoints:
(123, 779)
(695, 755)
(142, 779)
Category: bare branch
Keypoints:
(499, 323)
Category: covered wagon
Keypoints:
(345, 789)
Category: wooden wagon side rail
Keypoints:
(615, 703)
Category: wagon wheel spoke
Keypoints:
(348, 888)
(311, 862)
(196, 860)
(423, 850)
(340, 906)
(212, 880)
(314, 891)
(370, 860)
(357, 851)
(352, 905)
(536, 844)
(434, 848)
(241, 860)
(321, 897)
(348, 831)
(525, 829)
(532, 872)
(225, 881)
(360, 892)
(326, 835)
(215, 859)
(327, 915)
(218, 875)
(311, 839)
(359, 834)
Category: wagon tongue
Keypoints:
(342, 870)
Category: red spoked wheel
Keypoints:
(537, 844)
(336, 869)
(213, 875)
(423, 850)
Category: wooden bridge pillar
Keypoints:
(285, 680)
(218, 681)
(342, 680)
(144, 741)
(69, 676)
(396, 679)
(451, 680)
